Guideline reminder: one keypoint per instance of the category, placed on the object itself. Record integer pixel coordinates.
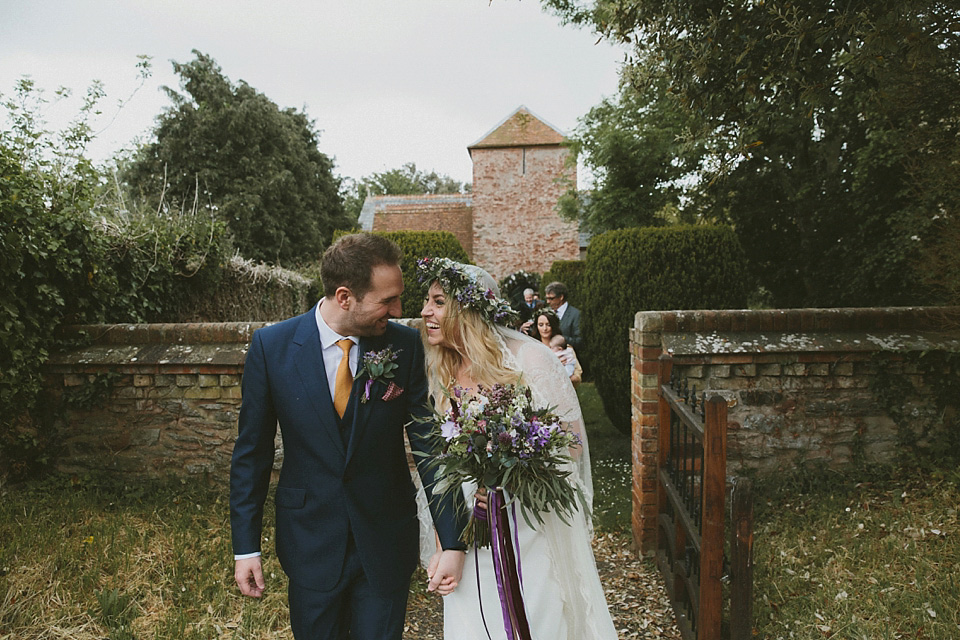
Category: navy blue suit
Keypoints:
(331, 491)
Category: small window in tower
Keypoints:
(523, 170)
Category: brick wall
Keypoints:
(515, 225)
(172, 405)
(797, 384)
(456, 218)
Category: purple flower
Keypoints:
(449, 430)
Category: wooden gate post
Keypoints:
(714, 490)
(741, 559)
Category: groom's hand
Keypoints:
(447, 571)
(249, 576)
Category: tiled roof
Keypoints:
(522, 128)
(374, 204)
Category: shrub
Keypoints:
(570, 273)
(939, 264)
(647, 269)
(160, 262)
(249, 292)
(51, 264)
(72, 252)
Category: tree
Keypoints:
(232, 150)
(828, 130)
(632, 144)
(407, 180)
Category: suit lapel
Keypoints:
(313, 377)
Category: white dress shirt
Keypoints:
(561, 309)
(332, 354)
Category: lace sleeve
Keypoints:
(551, 387)
(581, 590)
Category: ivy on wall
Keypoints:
(905, 387)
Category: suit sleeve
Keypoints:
(253, 452)
(448, 509)
(574, 338)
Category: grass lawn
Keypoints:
(610, 462)
(843, 556)
(868, 556)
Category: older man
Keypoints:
(569, 316)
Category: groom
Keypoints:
(347, 529)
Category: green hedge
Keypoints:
(646, 269)
(49, 264)
(158, 264)
(416, 245)
(63, 261)
(570, 273)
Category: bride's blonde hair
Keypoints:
(471, 338)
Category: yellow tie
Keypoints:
(344, 380)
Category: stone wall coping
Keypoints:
(164, 333)
(788, 342)
(151, 354)
(845, 319)
(163, 346)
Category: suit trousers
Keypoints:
(352, 610)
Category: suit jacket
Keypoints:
(329, 490)
(570, 326)
(526, 312)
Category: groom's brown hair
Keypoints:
(349, 262)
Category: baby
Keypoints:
(565, 353)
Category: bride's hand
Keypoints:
(481, 497)
(445, 571)
(432, 566)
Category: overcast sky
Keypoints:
(387, 81)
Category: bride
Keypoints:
(466, 347)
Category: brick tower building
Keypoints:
(519, 173)
(518, 176)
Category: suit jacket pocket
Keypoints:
(291, 498)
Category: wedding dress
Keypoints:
(562, 594)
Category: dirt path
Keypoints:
(635, 595)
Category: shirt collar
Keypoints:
(328, 336)
(562, 309)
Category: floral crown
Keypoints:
(466, 287)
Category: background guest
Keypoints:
(569, 315)
(545, 325)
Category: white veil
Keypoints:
(584, 602)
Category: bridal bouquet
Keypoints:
(495, 437)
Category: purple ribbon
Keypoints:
(506, 567)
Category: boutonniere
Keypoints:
(379, 366)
